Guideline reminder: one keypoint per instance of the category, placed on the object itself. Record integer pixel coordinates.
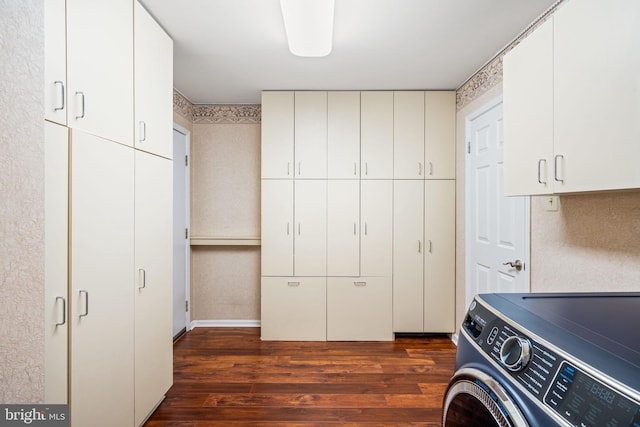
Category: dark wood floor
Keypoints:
(228, 377)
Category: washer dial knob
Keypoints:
(515, 353)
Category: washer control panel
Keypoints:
(557, 384)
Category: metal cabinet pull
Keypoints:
(143, 131)
(430, 246)
(86, 302)
(287, 229)
(298, 229)
(142, 278)
(365, 228)
(419, 246)
(64, 311)
(355, 169)
(555, 167)
(288, 168)
(62, 95)
(360, 283)
(366, 168)
(419, 168)
(293, 284)
(540, 169)
(354, 228)
(81, 116)
(299, 168)
(430, 168)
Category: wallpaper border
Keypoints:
(216, 113)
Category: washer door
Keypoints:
(473, 398)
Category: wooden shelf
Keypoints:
(225, 241)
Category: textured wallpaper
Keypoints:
(21, 202)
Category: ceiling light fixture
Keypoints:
(309, 26)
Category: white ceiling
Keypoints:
(227, 51)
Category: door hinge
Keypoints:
(468, 147)
(186, 306)
(186, 233)
(186, 160)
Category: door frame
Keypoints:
(469, 217)
(187, 279)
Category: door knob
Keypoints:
(517, 264)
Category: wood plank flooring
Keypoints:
(228, 377)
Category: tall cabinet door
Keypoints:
(310, 228)
(277, 135)
(408, 248)
(376, 228)
(440, 134)
(277, 227)
(439, 256)
(310, 135)
(343, 135)
(55, 62)
(343, 228)
(56, 186)
(376, 143)
(153, 83)
(153, 289)
(408, 135)
(100, 68)
(102, 282)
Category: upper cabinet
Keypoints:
(100, 68)
(343, 135)
(310, 132)
(584, 118)
(439, 134)
(55, 62)
(376, 139)
(277, 135)
(408, 135)
(153, 75)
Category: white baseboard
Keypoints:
(224, 324)
(454, 338)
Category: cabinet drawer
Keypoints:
(359, 309)
(294, 308)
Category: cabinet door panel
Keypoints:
(294, 308)
(408, 247)
(277, 228)
(154, 86)
(528, 114)
(310, 243)
(376, 142)
(56, 191)
(408, 135)
(100, 68)
(311, 135)
(440, 134)
(359, 309)
(154, 273)
(102, 282)
(55, 62)
(596, 102)
(439, 256)
(343, 228)
(277, 134)
(376, 227)
(343, 135)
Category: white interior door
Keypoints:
(180, 224)
(497, 226)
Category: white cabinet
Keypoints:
(102, 282)
(277, 227)
(376, 228)
(294, 308)
(528, 114)
(359, 309)
(56, 185)
(596, 102)
(424, 256)
(343, 228)
(343, 135)
(570, 109)
(376, 139)
(439, 256)
(408, 246)
(153, 80)
(55, 61)
(408, 135)
(440, 134)
(310, 215)
(310, 132)
(100, 68)
(153, 288)
(277, 134)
